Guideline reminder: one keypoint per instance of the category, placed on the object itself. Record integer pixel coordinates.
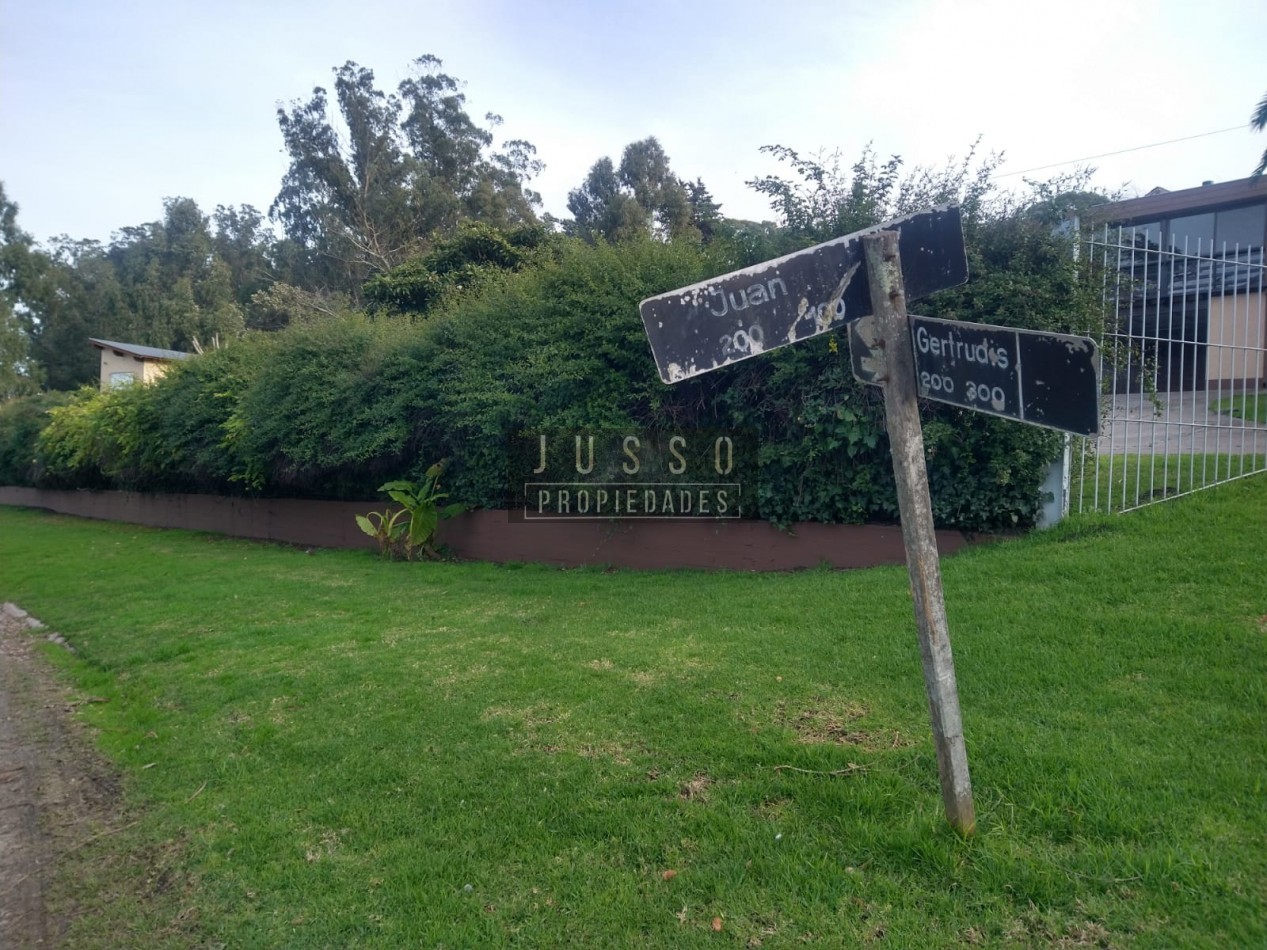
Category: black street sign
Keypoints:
(720, 321)
(1047, 379)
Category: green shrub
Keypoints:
(102, 440)
(194, 408)
(69, 449)
(457, 265)
(21, 421)
(335, 408)
(410, 532)
(313, 420)
(557, 346)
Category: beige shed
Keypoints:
(125, 363)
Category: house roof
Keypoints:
(1158, 203)
(140, 352)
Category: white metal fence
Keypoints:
(1183, 370)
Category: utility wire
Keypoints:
(1123, 151)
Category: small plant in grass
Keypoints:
(410, 531)
(386, 527)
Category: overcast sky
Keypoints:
(108, 107)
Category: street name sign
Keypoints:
(1045, 379)
(720, 321)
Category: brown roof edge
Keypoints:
(1171, 203)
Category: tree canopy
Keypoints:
(21, 270)
(375, 175)
(640, 197)
(398, 203)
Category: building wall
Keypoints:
(143, 371)
(153, 369)
(1237, 337)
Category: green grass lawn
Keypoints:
(1123, 482)
(1253, 408)
(327, 750)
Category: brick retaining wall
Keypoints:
(493, 536)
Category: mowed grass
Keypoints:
(1124, 482)
(325, 750)
(1251, 407)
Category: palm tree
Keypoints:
(1258, 122)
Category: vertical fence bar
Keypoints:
(1240, 356)
(1165, 276)
(1183, 366)
(1192, 454)
(1260, 347)
(1209, 351)
(1183, 353)
(1209, 304)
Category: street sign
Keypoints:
(1046, 379)
(720, 321)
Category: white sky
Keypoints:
(108, 107)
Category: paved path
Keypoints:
(1178, 422)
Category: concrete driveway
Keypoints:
(1178, 423)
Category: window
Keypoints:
(1192, 234)
(121, 379)
(1241, 226)
(1144, 235)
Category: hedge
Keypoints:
(334, 409)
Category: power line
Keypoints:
(1123, 151)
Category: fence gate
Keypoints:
(1183, 370)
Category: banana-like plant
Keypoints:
(410, 530)
(386, 527)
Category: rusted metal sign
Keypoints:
(1046, 379)
(720, 321)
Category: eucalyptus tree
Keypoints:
(641, 196)
(21, 266)
(375, 174)
(246, 245)
(177, 291)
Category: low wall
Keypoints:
(493, 536)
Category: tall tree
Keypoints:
(705, 212)
(245, 244)
(176, 289)
(368, 186)
(642, 196)
(602, 207)
(15, 355)
(81, 299)
(20, 267)
(14, 332)
(159, 284)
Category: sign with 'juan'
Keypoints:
(720, 321)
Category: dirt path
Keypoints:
(56, 792)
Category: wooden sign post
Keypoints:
(1047, 379)
(906, 438)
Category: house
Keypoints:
(125, 363)
(1192, 287)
